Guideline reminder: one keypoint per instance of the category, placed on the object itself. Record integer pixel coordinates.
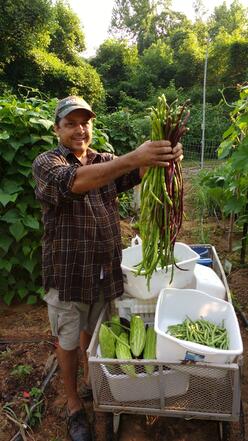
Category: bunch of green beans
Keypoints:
(201, 331)
(162, 193)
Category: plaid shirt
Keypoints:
(81, 231)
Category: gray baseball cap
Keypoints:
(70, 103)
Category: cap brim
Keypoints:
(66, 112)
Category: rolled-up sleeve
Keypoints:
(54, 179)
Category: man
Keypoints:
(81, 249)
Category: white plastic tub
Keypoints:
(173, 306)
(144, 386)
(136, 286)
(147, 387)
(208, 281)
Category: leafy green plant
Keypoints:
(122, 132)
(26, 130)
(125, 204)
(21, 371)
(234, 148)
(34, 409)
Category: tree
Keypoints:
(233, 19)
(41, 45)
(154, 70)
(115, 61)
(144, 21)
(188, 58)
(23, 25)
(67, 38)
(56, 78)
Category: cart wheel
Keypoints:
(233, 430)
(102, 426)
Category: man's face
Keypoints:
(75, 131)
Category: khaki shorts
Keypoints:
(68, 319)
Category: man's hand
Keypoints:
(169, 154)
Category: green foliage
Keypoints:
(26, 129)
(67, 39)
(216, 124)
(52, 76)
(226, 188)
(115, 61)
(144, 21)
(125, 204)
(23, 25)
(235, 147)
(123, 133)
(41, 44)
(100, 141)
(210, 191)
(21, 371)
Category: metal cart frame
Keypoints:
(197, 390)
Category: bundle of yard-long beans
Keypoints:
(201, 331)
(162, 192)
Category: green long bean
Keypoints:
(162, 193)
(201, 331)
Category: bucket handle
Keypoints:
(136, 241)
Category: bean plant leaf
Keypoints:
(25, 171)
(11, 186)
(230, 132)
(47, 123)
(5, 264)
(15, 144)
(8, 155)
(11, 216)
(225, 149)
(6, 198)
(22, 292)
(4, 135)
(239, 157)
(8, 297)
(31, 300)
(18, 231)
(31, 222)
(5, 242)
(242, 121)
(234, 205)
(29, 264)
(48, 139)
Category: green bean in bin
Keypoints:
(202, 332)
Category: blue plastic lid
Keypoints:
(202, 251)
(205, 262)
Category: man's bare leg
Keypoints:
(68, 363)
(85, 338)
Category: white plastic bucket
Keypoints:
(136, 286)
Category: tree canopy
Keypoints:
(41, 44)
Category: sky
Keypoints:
(95, 16)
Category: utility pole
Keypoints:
(204, 106)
